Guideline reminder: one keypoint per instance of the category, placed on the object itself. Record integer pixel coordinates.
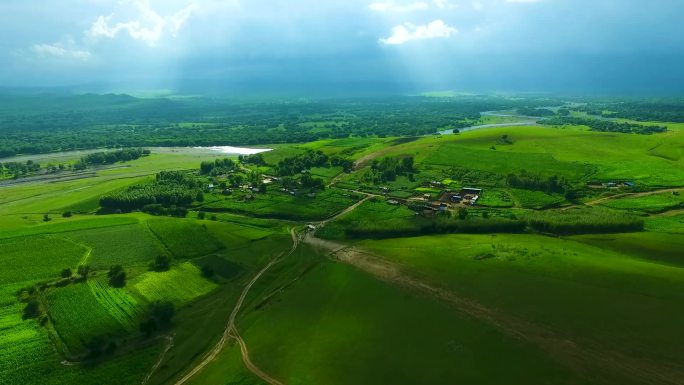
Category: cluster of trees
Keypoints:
(664, 110)
(111, 157)
(527, 181)
(296, 164)
(18, 169)
(159, 317)
(387, 169)
(218, 167)
(606, 125)
(540, 112)
(171, 188)
(255, 159)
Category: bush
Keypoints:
(162, 263)
(207, 271)
(67, 214)
(32, 309)
(117, 276)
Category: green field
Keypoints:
(140, 246)
(649, 204)
(179, 285)
(184, 239)
(547, 282)
(341, 325)
(78, 315)
(18, 257)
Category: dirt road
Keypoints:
(231, 331)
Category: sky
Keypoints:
(352, 46)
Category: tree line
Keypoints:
(605, 125)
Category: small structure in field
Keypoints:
(393, 202)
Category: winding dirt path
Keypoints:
(160, 360)
(582, 357)
(231, 331)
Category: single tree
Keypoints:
(83, 271)
(66, 273)
(207, 271)
(117, 276)
(162, 263)
(32, 309)
(162, 312)
(67, 214)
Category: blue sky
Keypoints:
(509, 45)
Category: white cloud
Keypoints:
(444, 4)
(150, 27)
(407, 32)
(391, 6)
(58, 50)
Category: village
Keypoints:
(446, 200)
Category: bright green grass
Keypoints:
(503, 161)
(121, 245)
(183, 238)
(78, 316)
(337, 325)
(649, 203)
(179, 285)
(551, 281)
(37, 258)
(120, 304)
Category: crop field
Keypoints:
(496, 198)
(120, 304)
(184, 239)
(535, 199)
(120, 245)
(78, 315)
(649, 204)
(37, 258)
(180, 285)
(68, 225)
